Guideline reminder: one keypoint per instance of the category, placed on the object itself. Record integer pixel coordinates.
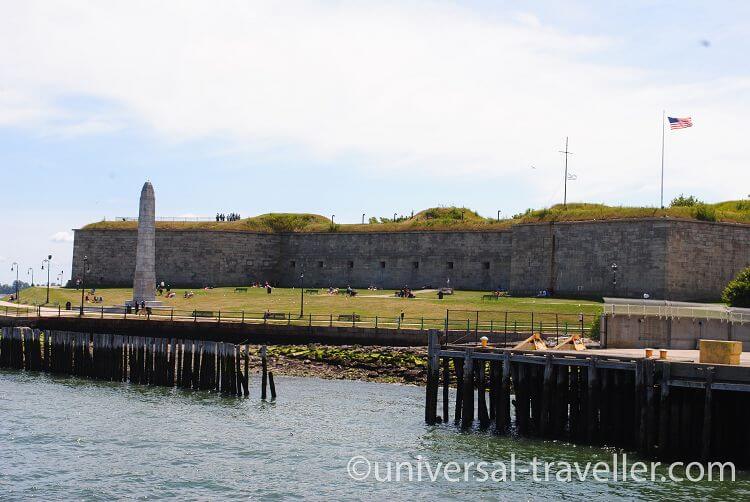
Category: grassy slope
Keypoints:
(368, 303)
(450, 218)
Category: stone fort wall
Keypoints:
(674, 259)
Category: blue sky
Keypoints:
(358, 107)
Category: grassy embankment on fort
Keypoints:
(454, 218)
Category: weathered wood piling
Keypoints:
(661, 409)
(165, 362)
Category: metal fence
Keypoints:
(168, 218)
(673, 311)
(473, 323)
(548, 324)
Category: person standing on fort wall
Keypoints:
(144, 280)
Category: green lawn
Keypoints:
(366, 304)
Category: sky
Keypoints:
(345, 108)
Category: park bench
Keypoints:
(446, 291)
(276, 315)
(349, 317)
(312, 291)
(203, 313)
(240, 290)
(489, 297)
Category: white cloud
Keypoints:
(417, 85)
(63, 236)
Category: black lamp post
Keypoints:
(302, 292)
(30, 270)
(498, 215)
(394, 217)
(83, 280)
(48, 261)
(363, 218)
(332, 217)
(614, 275)
(14, 266)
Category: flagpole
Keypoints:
(662, 158)
(565, 190)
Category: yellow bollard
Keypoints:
(662, 354)
(484, 341)
(649, 353)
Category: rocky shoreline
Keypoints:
(406, 365)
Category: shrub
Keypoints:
(704, 212)
(737, 292)
(594, 332)
(682, 201)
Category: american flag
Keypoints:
(680, 123)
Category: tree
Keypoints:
(737, 292)
(11, 288)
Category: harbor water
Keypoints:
(65, 438)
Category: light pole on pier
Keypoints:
(14, 266)
(83, 280)
(48, 261)
(302, 292)
(30, 270)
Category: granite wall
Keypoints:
(465, 260)
(183, 258)
(575, 258)
(673, 259)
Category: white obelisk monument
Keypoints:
(144, 280)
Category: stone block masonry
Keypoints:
(666, 258)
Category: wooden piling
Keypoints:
(446, 388)
(484, 417)
(272, 385)
(433, 375)
(707, 416)
(247, 371)
(264, 372)
(664, 412)
(467, 407)
(592, 411)
(546, 404)
(458, 366)
(502, 404)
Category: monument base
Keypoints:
(150, 303)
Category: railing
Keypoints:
(673, 311)
(168, 218)
(472, 323)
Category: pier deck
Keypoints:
(669, 409)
